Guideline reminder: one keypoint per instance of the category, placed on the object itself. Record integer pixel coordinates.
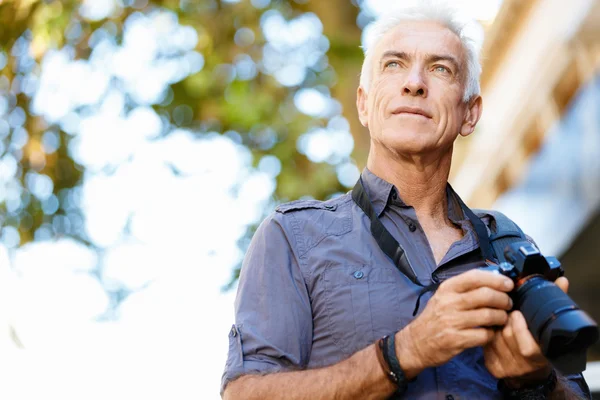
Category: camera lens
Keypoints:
(556, 322)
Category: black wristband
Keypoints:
(389, 355)
(530, 392)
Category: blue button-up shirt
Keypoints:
(315, 288)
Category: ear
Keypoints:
(474, 109)
(361, 105)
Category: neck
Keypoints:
(421, 180)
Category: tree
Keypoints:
(258, 72)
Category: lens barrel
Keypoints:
(563, 331)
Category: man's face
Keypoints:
(414, 104)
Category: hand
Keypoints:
(458, 316)
(514, 353)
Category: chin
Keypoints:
(409, 139)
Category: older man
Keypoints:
(317, 292)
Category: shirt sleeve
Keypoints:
(273, 317)
(579, 385)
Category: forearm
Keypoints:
(359, 376)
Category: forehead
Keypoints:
(420, 37)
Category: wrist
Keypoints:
(383, 373)
(530, 379)
(389, 361)
(530, 390)
(385, 367)
(407, 354)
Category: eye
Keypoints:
(392, 64)
(442, 68)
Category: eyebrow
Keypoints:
(429, 58)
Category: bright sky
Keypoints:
(484, 10)
(166, 212)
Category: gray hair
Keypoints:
(467, 29)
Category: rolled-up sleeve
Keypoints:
(273, 318)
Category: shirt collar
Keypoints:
(378, 190)
(381, 193)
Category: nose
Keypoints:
(414, 84)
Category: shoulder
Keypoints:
(314, 206)
(295, 216)
(501, 226)
(498, 223)
(310, 221)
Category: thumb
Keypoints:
(562, 283)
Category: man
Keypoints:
(317, 293)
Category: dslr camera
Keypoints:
(563, 331)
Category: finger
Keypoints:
(562, 283)
(492, 360)
(501, 345)
(482, 317)
(499, 354)
(485, 297)
(475, 337)
(477, 278)
(507, 336)
(527, 345)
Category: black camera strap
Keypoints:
(383, 237)
(485, 245)
(394, 250)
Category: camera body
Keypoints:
(563, 331)
(524, 260)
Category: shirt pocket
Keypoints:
(361, 303)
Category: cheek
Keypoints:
(454, 112)
(383, 93)
(446, 117)
(450, 108)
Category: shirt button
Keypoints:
(449, 397)
(412, 227)
(233, 331)
(358, 274)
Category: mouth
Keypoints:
(411, 111)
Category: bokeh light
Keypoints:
(140, 145)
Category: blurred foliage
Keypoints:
(256, 109)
